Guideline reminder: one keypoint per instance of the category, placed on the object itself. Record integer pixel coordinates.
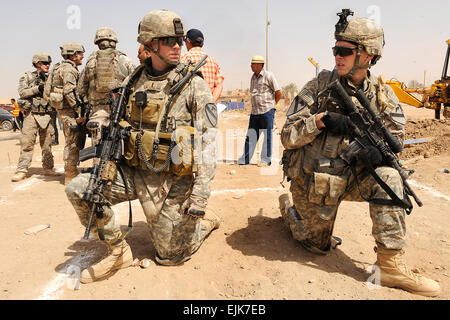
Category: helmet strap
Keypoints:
(356, 65)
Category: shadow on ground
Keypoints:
(270, 238)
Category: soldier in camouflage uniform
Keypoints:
(105, 70)
(316, 132)
(60, 93)
(37, 118)
(173, 198)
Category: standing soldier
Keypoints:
(317, 133)
(37, 120)
(173, 197)
(60, 93)
(105, 70)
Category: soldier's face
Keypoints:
(43, 66)
(171, 53)
(78, 58)
(345, 64)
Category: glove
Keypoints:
(370, 155)
(195, 210)
(337, 123)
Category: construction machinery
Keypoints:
(435, 97)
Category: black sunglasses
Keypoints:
(170, 41)
(343, 51)
(45, 63)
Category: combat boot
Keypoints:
(394, 273)
(18, 176)
(120, 257)
(211, 220)
(51, 172)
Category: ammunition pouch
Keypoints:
(292, 163)
(172, 152)
(56, 98)
(325, 189)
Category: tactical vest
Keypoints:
(156, 142)
(54, 88)
(105, 74)
(36, 104)
(316, 156)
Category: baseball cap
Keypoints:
(195, 35)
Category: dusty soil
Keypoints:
(251, 256)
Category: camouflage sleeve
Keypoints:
(126, 65)
(300, 127)
(205, 116)
(83, 84)
(26, 88)
(70, 79)
(394, 117)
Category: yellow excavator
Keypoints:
(435, 97)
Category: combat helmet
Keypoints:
(364, 32)
(41, 57)
(159, 24)
(71, 48)
(105, 34)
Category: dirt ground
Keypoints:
(251, 256)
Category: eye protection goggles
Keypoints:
(343, 51)
(170, 41)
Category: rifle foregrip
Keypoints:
(392, 141)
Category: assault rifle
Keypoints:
(83, 119)
(110, 152)
(370, 131)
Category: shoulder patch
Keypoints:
(302, 100)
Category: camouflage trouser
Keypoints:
(71, 150)
(176, 236)
(30, 130)
(318, 209)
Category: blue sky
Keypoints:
(415, 33)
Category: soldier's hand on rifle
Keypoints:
(370, 154)
(337, 123)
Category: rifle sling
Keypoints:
(395, 200)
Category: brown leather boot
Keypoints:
(211, 220)
(394, 273)
(51, 172)
(120, 257)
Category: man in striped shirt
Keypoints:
(211, 70)
(265, 94)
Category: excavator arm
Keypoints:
(432, 98)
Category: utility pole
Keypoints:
(267, 35)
